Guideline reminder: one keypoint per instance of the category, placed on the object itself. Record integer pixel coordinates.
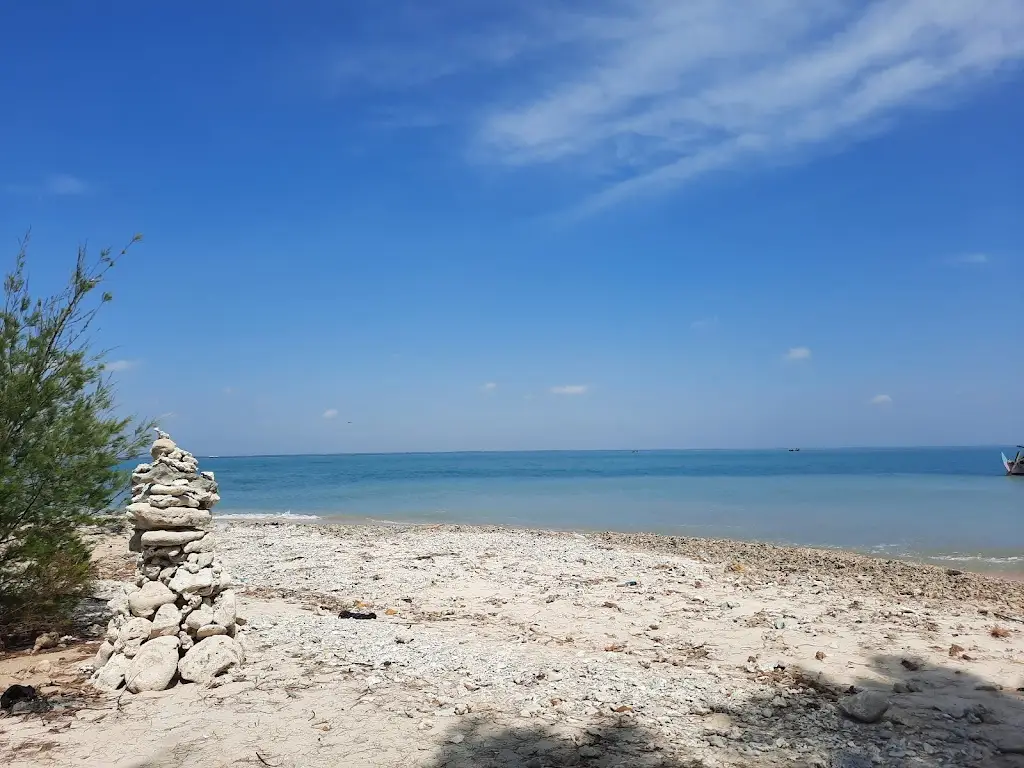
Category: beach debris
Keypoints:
(45, 641)
(912, 664)
(820, 655)
(180, 618)
(630, 583)
(357, 615)
(14, 694)
(865, 707)
(955, 651)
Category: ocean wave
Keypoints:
(291, 516)
(976, 558)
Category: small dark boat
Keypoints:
(1015, 466)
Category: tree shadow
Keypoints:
(938, 715)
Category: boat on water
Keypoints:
(1015, 466)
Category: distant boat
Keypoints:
(794, 450)
(1015, 466)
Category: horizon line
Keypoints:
(799, 449)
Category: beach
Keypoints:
(494, 646)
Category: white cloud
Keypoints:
(971, 258)
(570, 389)
(881, 400)
(657, 93)
(57, 185)
(331, 413)
(66, 184)
(490, 386)
(120, 365)
(798, 353)
(707, 322)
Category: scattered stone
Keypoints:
(865, 707)
(45, 641)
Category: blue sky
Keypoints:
(463, 225)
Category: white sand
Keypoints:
(520, 648)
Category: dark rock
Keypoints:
(865, 707)
(16, 694)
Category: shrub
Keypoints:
(61, 443)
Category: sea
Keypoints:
(943, 505)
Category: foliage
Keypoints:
(61, 443)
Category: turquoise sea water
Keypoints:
(953, 504)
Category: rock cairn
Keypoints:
(179, 620)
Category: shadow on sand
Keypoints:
(938, 716)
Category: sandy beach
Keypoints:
(500, 647)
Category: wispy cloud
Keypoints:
(331, 413)
(490, 386)
(970, 258)
(798, 353)
(653, 94)
(703, 323)
(670, 91)
(56, 185)
(570, 389)
(881, 400)
(120, 365)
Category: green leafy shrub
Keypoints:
(61, 443)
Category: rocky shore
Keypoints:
(471, 646)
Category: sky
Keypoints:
(456, 225)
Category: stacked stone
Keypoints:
(180, 620)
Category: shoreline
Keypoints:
(1008, 567)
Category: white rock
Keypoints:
(204, 559)
(210, 630)
(103, 654)
(167, 502)
(184, 582)
(148, 517)
(186, 640)
(154, 665)
(132, 635)
(200, 617)
(161, 447)
(209, 658)
(152, 595)
(111, 676)
(170, 538)
(174, 489)
(166, 621)
(208, 475)
(204, 544)
(225, 609)
(118, 605)
(114, 628)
